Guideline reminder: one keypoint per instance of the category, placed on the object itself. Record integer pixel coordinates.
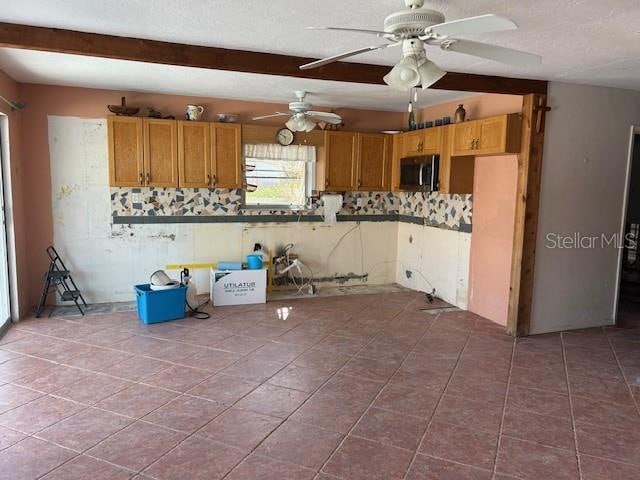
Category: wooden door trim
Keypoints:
(526, 215)
(153, 51)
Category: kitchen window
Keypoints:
(278, 176)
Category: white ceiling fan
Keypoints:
(415, 27)
(303, 119)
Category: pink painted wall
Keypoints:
(494, 199)
(11, 90)
(494, 203)
(44, 100)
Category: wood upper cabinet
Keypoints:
(340, 161)
(226, 155)
(194, 154)
(160, 152)
(422, 142)
(489, 136)
(373, 157)
(464, 137)
(413, 142)
(126, 168)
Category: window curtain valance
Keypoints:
(273, 151)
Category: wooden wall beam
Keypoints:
(534, 107)
(136, 49)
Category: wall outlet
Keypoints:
(136, 197)
(360, 202)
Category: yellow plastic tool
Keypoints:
(190, 266)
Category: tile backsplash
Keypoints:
(435, 209)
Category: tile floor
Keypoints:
(349, 387)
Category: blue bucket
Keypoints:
(254, 261)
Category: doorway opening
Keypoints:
(628, 302)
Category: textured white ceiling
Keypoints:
(583, 41)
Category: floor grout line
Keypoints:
(624, 375)
(573, 420)
(504, 408)
(310, 347)
(455, 367)
(355, 423)
(161, 426)
(336, 372)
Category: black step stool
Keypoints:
(58, 278)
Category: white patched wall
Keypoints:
(107, 260)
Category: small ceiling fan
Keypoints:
(303, 119)
(415, 27)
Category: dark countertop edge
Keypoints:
(169, 219)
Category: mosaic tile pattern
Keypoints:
(439, 210)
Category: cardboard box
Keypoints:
(238, 287)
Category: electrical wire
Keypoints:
(196, 312)
(344, 235)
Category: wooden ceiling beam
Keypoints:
(152, 51)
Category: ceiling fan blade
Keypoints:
(379, 33)
(493, 52)
(278, 114)
(473, 25)
(327, 117)
(340, 56)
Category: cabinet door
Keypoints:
(160, 152)
(340, 160)
(431, 142)
(226, 155)
(373, 158)
(464, 136)
(491, 135)
(413, 143)
(194, 154)
(125, 151)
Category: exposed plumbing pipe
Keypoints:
(14, 105)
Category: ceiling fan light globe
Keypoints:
(292, 124)
(309, 125)
(429, 74)
(402, 77)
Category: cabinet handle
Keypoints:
(148, 178)
(359, 183)
(326, 183)
(140, 179)
(420, 146)
(473, 144)
(215, 180)
(208, 179)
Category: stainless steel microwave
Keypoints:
(420, 173)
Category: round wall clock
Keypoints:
(284, 137)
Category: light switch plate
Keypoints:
(136, 197)
(360, 202)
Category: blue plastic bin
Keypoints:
(155, 306)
